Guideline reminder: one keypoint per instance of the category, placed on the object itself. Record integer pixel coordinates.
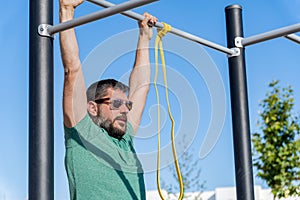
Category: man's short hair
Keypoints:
(99, 89)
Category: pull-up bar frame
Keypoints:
(174, 31)
(41, 120)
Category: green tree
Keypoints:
(276, 147)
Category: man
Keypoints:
(100, 123)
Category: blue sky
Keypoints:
(275, 59)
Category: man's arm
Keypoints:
(74, 94)
(139, 81)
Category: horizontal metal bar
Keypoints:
(293, 37)
(271, 34)
(98, 15)
(202, 41)
(175, 31)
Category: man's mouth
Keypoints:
(123, 119)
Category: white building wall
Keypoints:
(225, 193)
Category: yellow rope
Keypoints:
(158, 43)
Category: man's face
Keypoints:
(111, 115)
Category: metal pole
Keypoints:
(293, 37)
(97, 15)
(41, 121)
(239, 107)
(271, 34)
(175, 31)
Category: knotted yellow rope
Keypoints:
(158, 44)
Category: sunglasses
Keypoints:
(115, 103)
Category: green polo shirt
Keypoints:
(102, 167)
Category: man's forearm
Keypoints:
(68, 42)
(74, 96)
(139, 81)
(141, 71)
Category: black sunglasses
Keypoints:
(115, 103)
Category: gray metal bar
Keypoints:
(239, 107)
(175, 31)
(41, 114)
(271, 34)
(98, 15)
(293, 37)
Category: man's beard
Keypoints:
(108, 126)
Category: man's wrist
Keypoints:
(143, 43)
(144, 39)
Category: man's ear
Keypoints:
(92, 108)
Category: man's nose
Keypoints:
(123, 109)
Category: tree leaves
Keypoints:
(276, 149)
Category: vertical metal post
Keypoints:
(239, 107)
(41, 122)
